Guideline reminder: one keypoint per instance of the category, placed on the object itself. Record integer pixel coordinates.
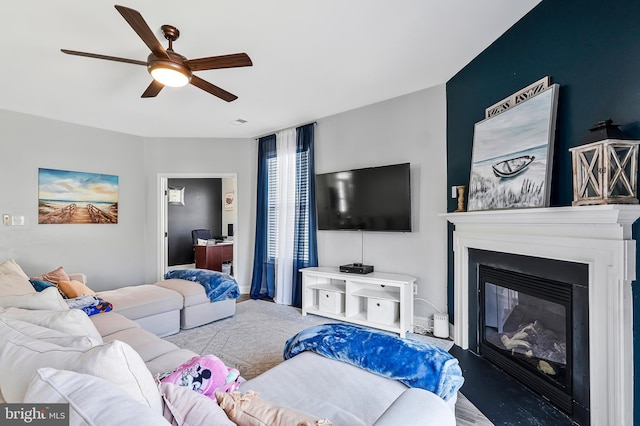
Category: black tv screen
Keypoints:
(370, 199)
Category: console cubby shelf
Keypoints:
(379, 300)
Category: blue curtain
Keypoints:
(263, 279)
(305, 244)
(305, 238)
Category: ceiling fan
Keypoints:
(167, 67)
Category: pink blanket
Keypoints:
(205, 374)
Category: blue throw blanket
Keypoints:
(413, 363)
(217, 285)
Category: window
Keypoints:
(301, 206)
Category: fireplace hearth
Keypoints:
(533, 324)
(597, 237)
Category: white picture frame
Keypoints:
(176, 195)
(512, 156)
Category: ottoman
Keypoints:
(154, 308)
(198, 309)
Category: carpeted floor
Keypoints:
(253, 341)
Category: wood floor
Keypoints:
(504, 400)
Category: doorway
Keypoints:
(194, 201)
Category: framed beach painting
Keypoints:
(512, 155)
(76, 197)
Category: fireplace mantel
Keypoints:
(599, 236)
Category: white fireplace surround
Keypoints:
(599, 236)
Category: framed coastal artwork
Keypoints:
(76, 197)
(512, 155)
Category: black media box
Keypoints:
(356, 268)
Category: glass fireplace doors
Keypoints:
(525, 328)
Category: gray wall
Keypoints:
(112, 255)
(410, 128)
(195, 155)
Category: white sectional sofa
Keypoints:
(166, 306)
(104, 367)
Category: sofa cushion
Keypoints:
(92, 400)
(414, 406)
(72, 289)
(40, 285)
(13, 280)
(145, 343)
(73, 322)
(142, 300)
(250, 410)
(116, 362)
(54, 276)
(359, 400)
(110, 322)
(182, 406)
(193, 293)
(169, 361)
(47, 299)
(10, 328)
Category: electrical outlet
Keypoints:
(415, 288)
(6, 220)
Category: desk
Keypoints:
(212, 256)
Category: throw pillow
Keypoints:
(182, 406)
(54, 276)
(73, 322)
(10, 328)
(40, 285)
(92, 400)
(116, 362)
(250, 410)
(48, 299)
(73, 288)
(13, 280)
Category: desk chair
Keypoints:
(200, 234)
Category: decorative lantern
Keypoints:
(605, 168)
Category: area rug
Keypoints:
(253, 341)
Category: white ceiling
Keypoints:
(312, 59)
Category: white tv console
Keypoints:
(379, 300)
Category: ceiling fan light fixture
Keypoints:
(170, 73)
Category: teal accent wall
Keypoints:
(592, 50)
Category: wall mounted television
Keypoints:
(368, 199)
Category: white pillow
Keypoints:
(13, 280)
(47, 299)
(116, 362)
(183, 406)
(73, 322)
(91, 400)
(10, 329)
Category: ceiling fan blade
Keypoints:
(108, 58)
(214, 90)
(217, 62)
(137, 22)
(152, 91)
